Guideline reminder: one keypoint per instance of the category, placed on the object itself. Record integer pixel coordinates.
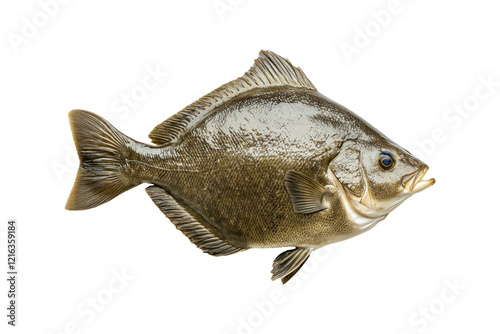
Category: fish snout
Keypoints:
(413, 182)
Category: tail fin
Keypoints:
(102, 150)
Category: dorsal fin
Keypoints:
(268, 70)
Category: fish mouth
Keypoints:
(413, 182)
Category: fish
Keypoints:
(264, 161)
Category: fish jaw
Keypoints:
(358, 210)
(364, 212)
(413, 183)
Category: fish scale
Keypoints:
(263, 161)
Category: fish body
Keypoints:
(263, 161)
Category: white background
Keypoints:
(426, 58)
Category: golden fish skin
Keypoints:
(263, 161)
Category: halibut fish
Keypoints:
(262, 161)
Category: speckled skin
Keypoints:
(230, 168)
(262, 161)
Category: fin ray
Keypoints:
(306, 194)
(269, 70)
(101, 148)
(190, 223)
(289, 262)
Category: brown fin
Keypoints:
(190, 223)
(290, 275)
(100, 147)
(289, 262)
(307, 195)
(268, 70)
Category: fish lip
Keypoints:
(413, 182)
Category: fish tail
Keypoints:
(102, 150)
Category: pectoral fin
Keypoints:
(307, 195)
(289, 262)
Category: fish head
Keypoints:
(374, 177)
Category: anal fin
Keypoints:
(289, 262)
(191, 224)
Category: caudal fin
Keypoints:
(102, 150)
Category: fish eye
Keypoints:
(386, 160)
